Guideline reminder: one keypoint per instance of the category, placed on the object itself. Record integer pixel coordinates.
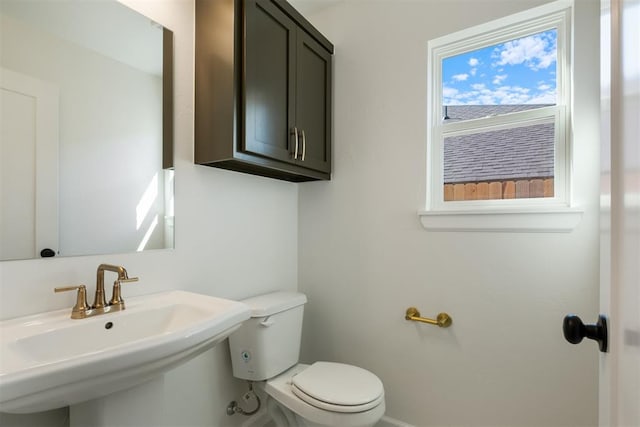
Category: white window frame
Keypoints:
(503, 214)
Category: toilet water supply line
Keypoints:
(234, 407)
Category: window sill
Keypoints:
(514, 221)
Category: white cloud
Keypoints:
(498, 78)
(548, 97)
(503, 95)
(473, 71)
(473, 62)
(536, 52)
(460, 77)
(449, 92)
(544, 87)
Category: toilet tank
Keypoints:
(269, 342)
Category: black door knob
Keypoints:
(574, 330)
(47, 253)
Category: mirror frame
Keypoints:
(167, 133)
(167, 99)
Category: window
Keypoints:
(498, 115)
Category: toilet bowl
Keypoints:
(325, 394)
(266, 349)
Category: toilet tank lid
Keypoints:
(274, 302)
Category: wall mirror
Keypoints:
(86, 126)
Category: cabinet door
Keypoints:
(313, 102)
(269, 92)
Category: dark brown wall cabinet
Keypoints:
(263, 90)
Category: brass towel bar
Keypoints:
(443, 319)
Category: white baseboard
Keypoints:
(392, 422)
(262, 419)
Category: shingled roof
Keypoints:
(509, 154)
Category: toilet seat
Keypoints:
(280, 388)
(338, 387)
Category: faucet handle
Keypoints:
(81, 306)
(69, 288)
(116, 297)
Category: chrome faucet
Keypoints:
(82, 309)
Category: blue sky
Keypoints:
(520, 71)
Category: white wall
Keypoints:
(235, 237)
(364, 257)
(110, 139)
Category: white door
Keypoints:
(28, 166)
(620, 213)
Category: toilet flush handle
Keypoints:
(267, 322)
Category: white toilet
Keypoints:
(267, 347)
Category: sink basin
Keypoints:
(49, 361)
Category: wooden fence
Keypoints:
(521, 189)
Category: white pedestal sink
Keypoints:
(140, 406)
(50, 361)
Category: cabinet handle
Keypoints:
(295, 136)
(304, 145)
